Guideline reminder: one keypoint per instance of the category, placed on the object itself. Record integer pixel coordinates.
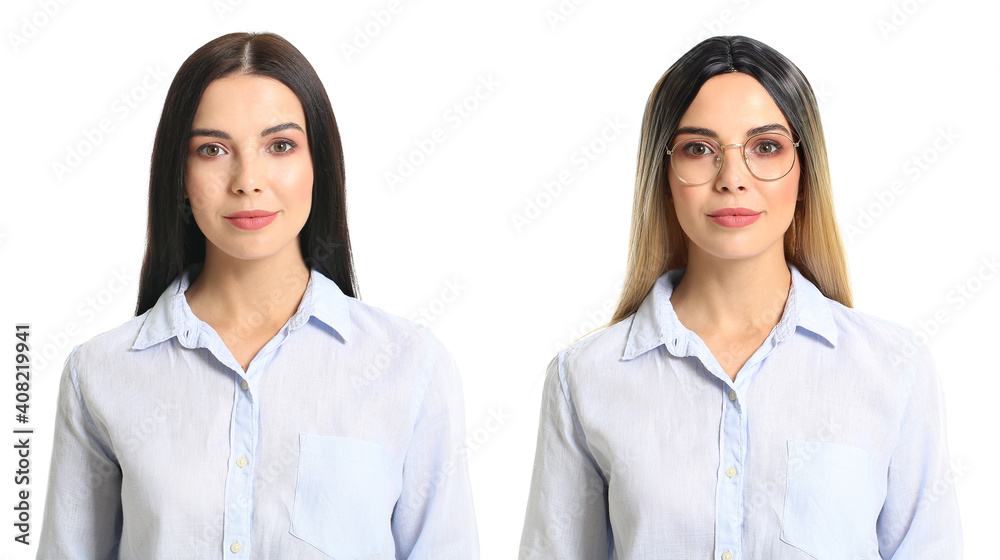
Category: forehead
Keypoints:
(250, 100)
(731, 104)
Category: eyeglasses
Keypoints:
(769, 157)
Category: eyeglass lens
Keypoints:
(768, 156)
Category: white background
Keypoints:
(897, 80)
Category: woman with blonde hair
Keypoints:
(737, 406)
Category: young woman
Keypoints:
(254, 408)
(737, 407)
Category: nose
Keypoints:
(247, 175)
(733, 175)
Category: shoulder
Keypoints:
(375, 325)
(594, 355)
(110, 345)
(402, 355)
(857, 328)
(395, 343)
(877, 344)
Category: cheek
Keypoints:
(206, 186)
(790, 193)
(297, 182)
(685, 200)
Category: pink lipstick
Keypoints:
(251, 219)
(734, 217)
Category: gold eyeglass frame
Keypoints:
(722, 155)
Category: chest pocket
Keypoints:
(828, 499)
(340, 496)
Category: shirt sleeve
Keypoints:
(83, 512)
(920, 516)
(434, 518)
(567, 516)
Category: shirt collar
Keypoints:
(656, 323)
(172, 316)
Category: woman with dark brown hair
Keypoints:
(254, 408)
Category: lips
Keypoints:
(251, 219)
(734, 212)
(250, 214)
(734, 217)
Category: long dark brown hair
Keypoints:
(173, 240)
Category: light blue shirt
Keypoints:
(829, 445)
(343, 439)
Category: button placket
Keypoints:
(729, 487)
(239, 482)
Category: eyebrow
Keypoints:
(699, 131)
(225, 136)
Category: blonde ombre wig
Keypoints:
(657, 244)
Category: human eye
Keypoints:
(282, 146)
(697, 148)
(211, 150)
(767, 146)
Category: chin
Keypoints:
(248, 253)
(738, 251)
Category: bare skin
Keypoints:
(732, 317)
(736, 283)
(249, 151)
(247, 305)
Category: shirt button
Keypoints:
(241, 462)
(245, 385)
(236, 548)
(732, 395)
(730, 472)
(727, 555)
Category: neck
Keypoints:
(251, 292)
(732, 295)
